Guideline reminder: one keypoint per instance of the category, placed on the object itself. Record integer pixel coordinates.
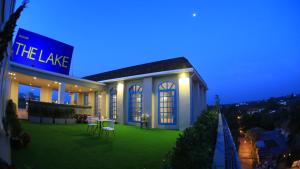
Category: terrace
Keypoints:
(72, 147)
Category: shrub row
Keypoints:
(81, 118)
(50, 110)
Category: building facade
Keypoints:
(169, 93)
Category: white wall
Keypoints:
(147, 98)
(184, 102)
(185, 99)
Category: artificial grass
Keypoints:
(71, 147)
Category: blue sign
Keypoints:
(41, 52)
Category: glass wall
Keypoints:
(113, 103)
(135, 103)
(167, 103)
(27, 92)
(67, 99)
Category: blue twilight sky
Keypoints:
(244, 49)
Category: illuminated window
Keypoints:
(135, 103)
(86, 98)
(167, 103)
(113, 103)
(26, 93)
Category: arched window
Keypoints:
(167, 103)
(135, 103)
(113, 103)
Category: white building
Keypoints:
(170, 92)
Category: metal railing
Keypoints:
(225, 155)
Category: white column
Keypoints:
(46, 94)
(147, 99)
(72, 98)
(61, 93)
(106, 103)
(184, 102)
(91, 100)
(14, 91)
(120, 102)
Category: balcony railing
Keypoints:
(225, 155)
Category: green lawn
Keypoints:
(71, 147)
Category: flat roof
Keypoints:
(31, 71)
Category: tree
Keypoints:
(217, 102)
(6, 36)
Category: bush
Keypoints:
(25, 139)
(70, 113)
(194, 148)
(51, 110)
(12, 123)
(33, 111)
(4, 165)
(81, 118)
(18, 138)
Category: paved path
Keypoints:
(4, 147)
(245, 154)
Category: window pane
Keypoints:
(167, 104)
(135, 103)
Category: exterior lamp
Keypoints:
(184, 79)
(120, 86)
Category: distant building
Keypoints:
(282, 102)
(241, 104)
(255, 110)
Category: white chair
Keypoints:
(92, 123)
(109, 128)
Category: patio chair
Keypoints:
(92, 124)
(109, 128)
